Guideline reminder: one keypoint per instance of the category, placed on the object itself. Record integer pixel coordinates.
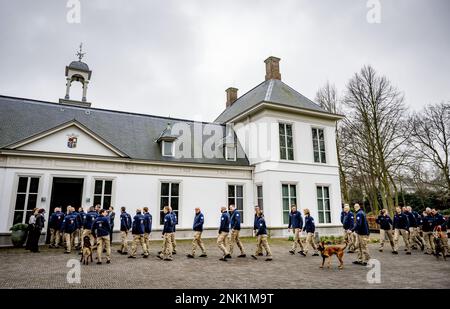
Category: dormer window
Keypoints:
(167, 142)
(230, 152)
(168, 149)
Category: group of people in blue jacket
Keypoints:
(418, 231)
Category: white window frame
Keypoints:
(324, 211)
(227, 157)
(289, 184)
(324, 159)
(161, 207)
(163, 149)
(285, 123)
(103, 190)
(27, 193)
(241, 211)
(258, 198)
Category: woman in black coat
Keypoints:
(31, 222)
(36, 232)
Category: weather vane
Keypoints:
(80, 53)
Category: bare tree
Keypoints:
(430, 137)
(375, 125)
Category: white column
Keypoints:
(85, 84)
(69, 82)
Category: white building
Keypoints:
(281, 151)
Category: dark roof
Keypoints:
(78, 65)
(131, 133)
(271, 91)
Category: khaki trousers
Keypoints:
(124, 241)
(445, 242)
(138, 240)
(350, 239)
(103, 241)
(429, 242)
(147, 240)
(174, 242)
(310, 242)
(166, 252)
(263, 243)
(198, 242)
(222, 242)
(414, 237)
(259, 249)
(405, 235)
(236, 240)
(69, 237)
(389, 235)
(55, 237)
(363, 252)
(297, 240)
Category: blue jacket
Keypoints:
(309, 227)
(56, 220)
(235, 220)
(175, 220)
(262, 228)
(198, 222)
(89, 219)
(101, 227)
(69, 224)
(148, 222)
(401, 221)
(440, 220)
(125, 221)
(255, 222)
(138, 225)
(79, 216)
(224, 222)
(348, 221)
(169, 225)
(295, 220)
(427, 223)
(411, 219)
(384, 222)
(361, 226)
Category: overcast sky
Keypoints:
(177, 57)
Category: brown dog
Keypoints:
(86, 251)
(328, 251)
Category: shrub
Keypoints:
(19, 227)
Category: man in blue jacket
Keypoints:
(54, 224)
(100, 231)
(197, 227)
(261, 234)
(309, 228)
(296, 224)
(385, 223)
(88, 220)
(148, 227)
(414, 236)
(361, 229)
(68, 227)
(255, 230)
(427, 230)
(348, 222)
(172, 236)
(224, 229)
(138, 231)
(235, 221)
(125, 226)
(169, 227)
(401, 227)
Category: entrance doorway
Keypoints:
(65, 191)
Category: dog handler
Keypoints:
(362, 231)
(100, 230)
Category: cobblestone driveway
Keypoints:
(21, 269)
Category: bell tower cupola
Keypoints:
(77, 71)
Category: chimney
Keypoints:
(273, 68)
(231, 96)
